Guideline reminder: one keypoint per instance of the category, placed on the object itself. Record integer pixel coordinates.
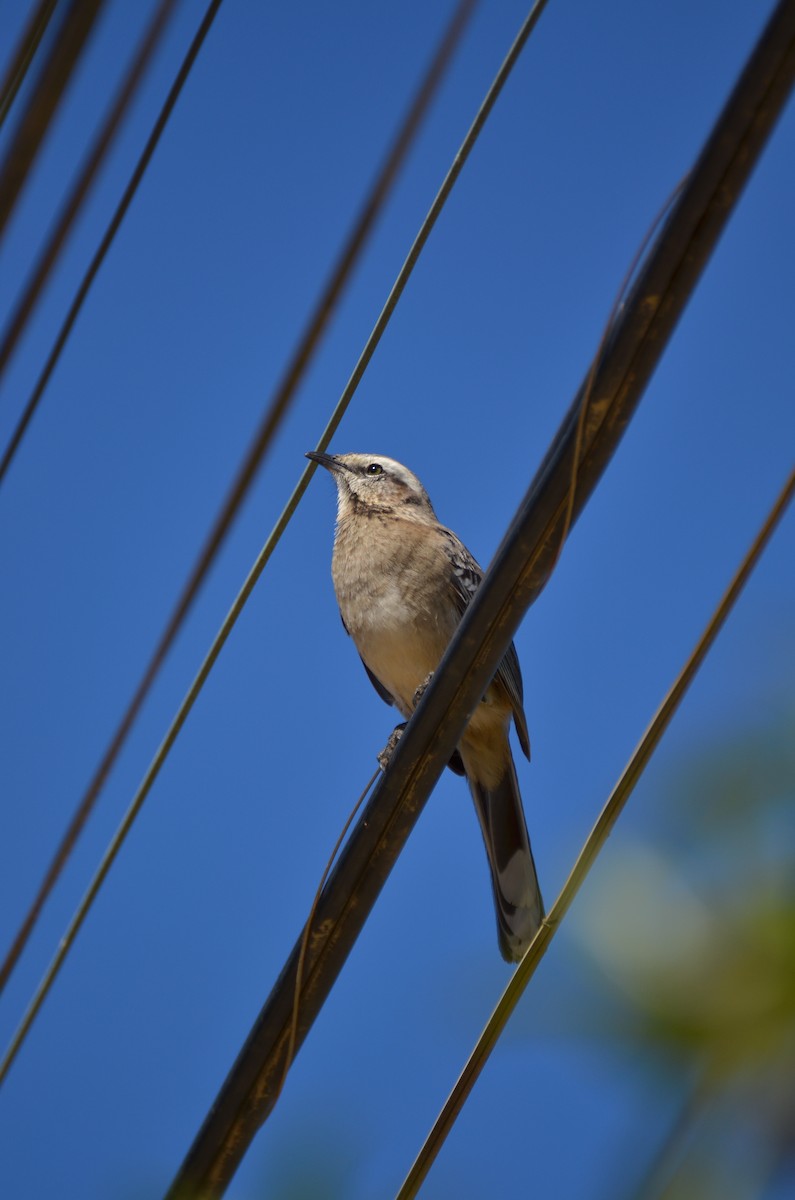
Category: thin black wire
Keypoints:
(28, 45)
(515, 578)
(587, 856)
(74, 201)
(310, 927)
(51, 83)
(295, 370)
(585, 405)
(105, 244)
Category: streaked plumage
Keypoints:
(402, 582)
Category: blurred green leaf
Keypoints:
(693, 945)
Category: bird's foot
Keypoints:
(420, 692)
(389, 748)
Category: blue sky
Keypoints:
(278, 133)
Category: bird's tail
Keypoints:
(517, 896)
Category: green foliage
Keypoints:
(695, 946)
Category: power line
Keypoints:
(74, 202)
(310, 922)
(587, 856)
(271, 420)
(106, 242)
(53, 79)
(516, 577)
(26, 49)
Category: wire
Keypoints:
(28, 45)
(107, 240)
(74, 202)
(585, 404)
(52, 81)
(515, 578)
(290, 383)
(587, 856)
(308, 928)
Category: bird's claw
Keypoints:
(397, 732)
(420, 692)
(389, 748)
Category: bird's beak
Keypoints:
(326, 460)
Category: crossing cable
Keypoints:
(594, 843)
(587, 856)
(28, 45)
(310, 924)
(272, 418)
(515, 578)
(107, 240)
(67, 46)
(80, 188)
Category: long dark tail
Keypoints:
(517, 896)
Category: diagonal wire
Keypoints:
(74, 201)
(28, 45)
(284, 393)
(516, 576)
(107, 241)
(52, 81)
(585, 404)
(587, 856)
(309, 928)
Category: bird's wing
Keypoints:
(377, 684)
(374, 680)
(466, 577)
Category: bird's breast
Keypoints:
(395, 602)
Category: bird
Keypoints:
(403, 582)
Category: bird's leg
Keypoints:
(420, 692)
(389, 748)
(397, 732)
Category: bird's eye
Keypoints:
(375, 469)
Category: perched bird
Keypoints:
(403, 582)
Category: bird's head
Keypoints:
(373, 483)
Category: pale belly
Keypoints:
(402, 655)
(394, 594)
(401, 643)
